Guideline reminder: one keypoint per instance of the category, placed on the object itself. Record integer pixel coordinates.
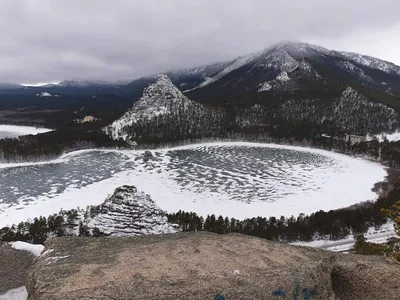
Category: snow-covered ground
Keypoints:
(373, 235)
(232, 179)
(15, 131)
(34, 249)
(15, 294)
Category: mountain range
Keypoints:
(310, 62)
(289, 89)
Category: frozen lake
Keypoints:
(11, 131)
(233, 179)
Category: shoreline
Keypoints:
(227, 143)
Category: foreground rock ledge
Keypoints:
(202, 266)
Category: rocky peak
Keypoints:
(161, 101)
(129, 212)
(163, 89)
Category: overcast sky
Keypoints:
(52, 40)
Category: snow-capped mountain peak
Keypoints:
(162, 87)
(288, 56)
(73, 83)
(81, 83)
(300, 47)
(282, 57)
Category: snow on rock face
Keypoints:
(283, 76)
(164, 112)
(236, 64)
(289, 56)
(264, 87)
(129, 212)
(354, 69)
(34, 249)
(352, 111)
(372, 62)
(46, 94)
(275, 57)
(156, 101)
(279, 59)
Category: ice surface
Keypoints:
(233, 179)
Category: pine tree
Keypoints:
(83, 230)
(220, 225)
(39, 230)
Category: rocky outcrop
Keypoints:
(128, 212)
(205, 266)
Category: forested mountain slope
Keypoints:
(288, 90)
(165, 114)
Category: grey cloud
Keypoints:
(52, 40)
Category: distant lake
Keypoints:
(5, 134)
(11, 131)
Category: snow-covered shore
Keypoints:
(373, 235)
